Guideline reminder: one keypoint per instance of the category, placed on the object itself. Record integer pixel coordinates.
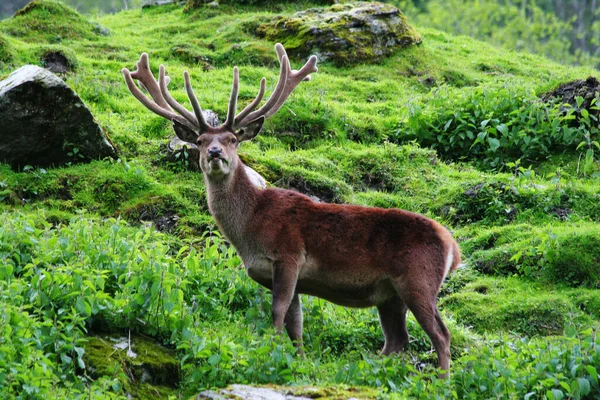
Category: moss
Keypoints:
(50, 21)
(588, 301)
(495, 305)
(192, 55)
(193, 5)
(152, 373)
(457, 79)
(559, 254)
(58, 58)
(342, 33)
(573, 258)
(333, 392)
(249, 53)
(6, 54)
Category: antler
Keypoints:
(162, 101)
(163, 104)
(288, 80)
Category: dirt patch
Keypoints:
(567, 93)
(57, 62)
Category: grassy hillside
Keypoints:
(452, 128)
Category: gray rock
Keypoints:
(43, 122)
(248, 393)
(344, 33)
(154, 3)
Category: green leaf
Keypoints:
(503, 129)
(555, 394)
(494, 143)
(593, 372)
(214, 359)
(584, 386)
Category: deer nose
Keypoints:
(215, 152)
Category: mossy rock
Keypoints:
(192, 5)
(146, 370)
(281, 392)
(49, 21)
(344, 33)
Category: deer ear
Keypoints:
(184, 133)
(251, 130)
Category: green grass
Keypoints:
(79, 255)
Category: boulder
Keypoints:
(272, 392)
(248, 393)
(149, 370)
(343, 33)
(156, 3)
(44, 123)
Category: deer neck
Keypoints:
(231, 201)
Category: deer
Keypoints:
(350, 255)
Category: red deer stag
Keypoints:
(354, 256)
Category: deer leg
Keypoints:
(427, 314)
(285, 275)
(293, 323)
(392, 316)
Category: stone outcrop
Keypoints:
(43, 122)
(344, 33)
(271, 392)
(150, 370)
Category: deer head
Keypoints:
(218, 144)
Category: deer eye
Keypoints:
(233, 141)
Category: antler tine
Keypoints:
(294, 78)
(250, 107)
(172, 102)
(309, 67)
(279, 88)
(144, 75)
(230, 122)
(202, 125)
(151, 105)
(288, 81)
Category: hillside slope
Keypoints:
(451, 128)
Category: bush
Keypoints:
(495, 126)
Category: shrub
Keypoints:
(495, 126)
